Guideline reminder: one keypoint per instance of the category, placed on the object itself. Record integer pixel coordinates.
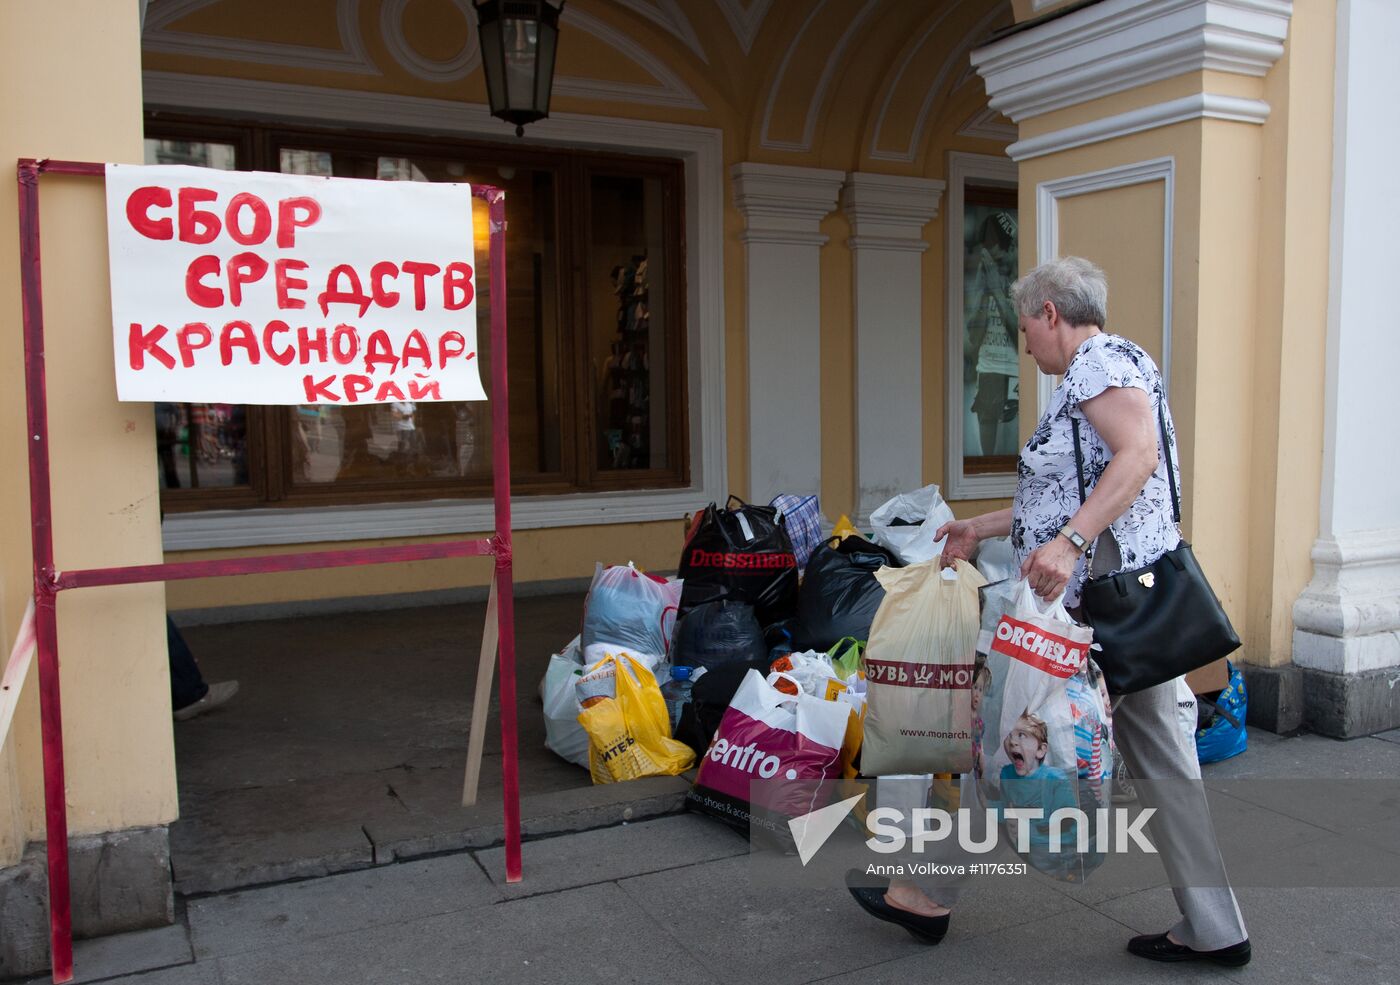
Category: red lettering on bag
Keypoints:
(903, 673)
(700, 558)
(1053, 655)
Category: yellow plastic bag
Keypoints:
(629, 736)
(844, 528)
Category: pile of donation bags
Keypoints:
(877, 661)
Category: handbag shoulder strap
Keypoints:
(1166, 453)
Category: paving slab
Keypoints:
(1309, 757)
(595, 935)
(201, 973)
(293, 830)
(616, 853)
(358, 721)
(260, 919)
(1076, 945)
(434, 820)
(746, 927)
(103, 958)
(1391, 736)
(1326, 936)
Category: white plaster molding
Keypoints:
(352, 58)
(163, 13)
(1348, 618)
(986, 124)
(983, 169)
(459, 66)
(1117, 45)
(933, 93)
(1356, 585)
(887, 215)
(818, 98)
(671, 92)
(667, 14)
(1202, 105)
(889, 206)
(702, 150)
(783, 204)
(895, 87)
(744, 20)
(783, 208)
(1047, 198)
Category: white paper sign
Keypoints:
(253, 288)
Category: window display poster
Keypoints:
(255, 288)
(991, 361)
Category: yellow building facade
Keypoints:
(827, 161)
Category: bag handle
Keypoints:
(666, 636)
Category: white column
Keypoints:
(783, 208)
(1348, 619)
(888, 214)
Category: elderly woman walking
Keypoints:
(1112, 389)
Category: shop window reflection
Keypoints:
(202, 446)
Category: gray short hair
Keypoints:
(1077, 287)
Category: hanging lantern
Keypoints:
(519, 39)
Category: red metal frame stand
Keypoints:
(48, 581)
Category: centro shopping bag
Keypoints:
(918, 668)
(769, 756)
(744, 555)
(629, 735)
(630, 610)
(1030, 754)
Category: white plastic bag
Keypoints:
(912, 543)
(812, 671)
(563, 735)
(996, 560)
(630, 610)
(919, 668)
(1186, 711)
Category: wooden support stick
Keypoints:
(481, 703)
(16, 670)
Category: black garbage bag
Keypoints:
(709, 698)
(840, 592)
(718, 633)
(742, 553)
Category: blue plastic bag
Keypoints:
(629, 610)
(1225, 736)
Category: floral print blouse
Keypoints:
(1047, 486)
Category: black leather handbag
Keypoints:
(1159, 621)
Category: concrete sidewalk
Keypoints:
(671, 900)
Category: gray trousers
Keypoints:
(1157, 752)
(1151, 742)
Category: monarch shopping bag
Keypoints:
(769, 756)
(918, 668)
(629, 735)
(1030, 754)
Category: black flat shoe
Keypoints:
(1156, 947)
(926, 930)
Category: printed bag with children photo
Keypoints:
(1040, 729)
